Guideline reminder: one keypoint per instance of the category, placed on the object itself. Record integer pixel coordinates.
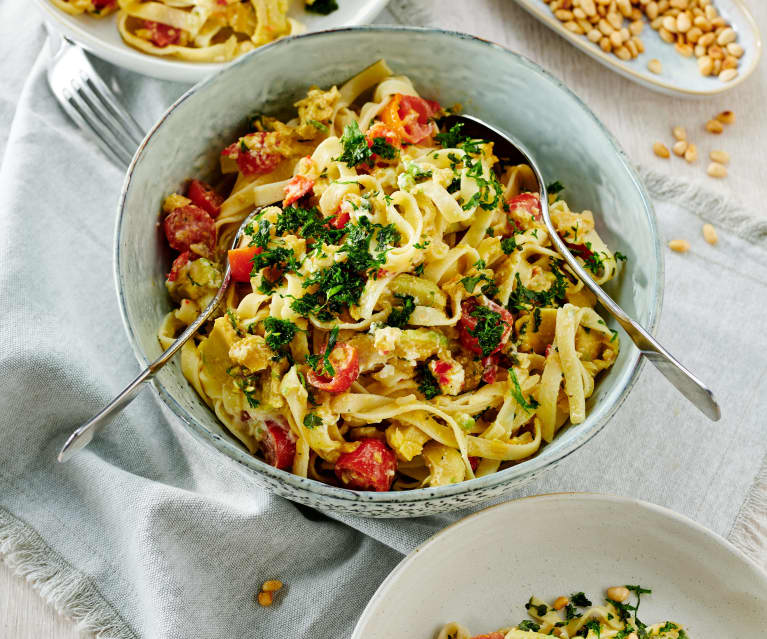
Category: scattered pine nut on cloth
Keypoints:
(146, 534)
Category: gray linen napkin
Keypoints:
(148, 534)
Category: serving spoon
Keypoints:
(81, 437)
(693, 389)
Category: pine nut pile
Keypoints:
(694, 27)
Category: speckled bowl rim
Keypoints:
(510, 476)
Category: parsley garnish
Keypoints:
(312, 421)
(516, 393)
(591, 624)
(451, 138)
(523, 298)
(356, 150)
(279, 333)
(399, 316)
(554, 188)
(509, 245)
(382, 148)
(323, 7)
(620, 256)
(428, 384)
(318, 125)
(418, 270)
(580, 599)
(528, 625)
(488, 330)
(233, 320)
(570, 612)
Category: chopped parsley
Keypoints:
(540, 609)
(318, 125)
(311, 421)
(427, 382)
(356, 150)
(246, 383)
(327, 367)
(382, 148)
(591, 624)
(570, 612)
(279, 333)
(323, 7)
(399, 316)
(523, 298)
(418, 270)
(234, 321)
(509, 245)
(488, 329)
(422, 245)
(620, 256)
(452, 137)
(528, 625)
(580, 599)
(554, 188)
(259, 232)
(529, 404)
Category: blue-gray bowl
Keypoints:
(491, 82)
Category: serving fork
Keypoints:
(89, 102)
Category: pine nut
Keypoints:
(615, 20)
(735, 49)
(683, 49)
(693, 35)
(705, 65)
(707, 40)
(624, 6)
(579, 13)
(716, 170)
(717, 67)
(564, 15)
(666, 35)
(605, 27)
(726, 36)
(679, 148)
(669, 24)
(272, 585)
(728, 74)
(652, 10)
(720, 156)
(726, 117)
(714, 126)
(680, 246)
(638, 43)
(657, 23)
(588, 7)
(679, 133)
(623, 53)
(655, 66)
(683, 23)
(632, 47)
(709, 234)
(691, 154)
(265, 598)
(711, 12)
(594, 35)
(636, 27)
(573, 27)
(661, 150)
(715, 52)
(616, 39)
(560, 602)
(702, 24)
(604, 43)
(718, 22)
(730, 62)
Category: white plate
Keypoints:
(101, 37)
(481, 570)
(680, 75)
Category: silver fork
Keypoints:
(90, 102)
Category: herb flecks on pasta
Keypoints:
(576, 616)
(401, 319)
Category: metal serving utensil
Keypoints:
(81, 437)
(694, 390)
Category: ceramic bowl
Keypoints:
(554, 545)
(503, 88)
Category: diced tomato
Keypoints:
(580, 250)
(296, 189)
(161, 34)
(253, 161)
(189, 227)
(278, 446)
(492, 635)
(371, 466)
(490, 369)
(240, 262)
(380, 130)
(339, 220)
(409, 117)
(441, 369)
(103, 4)
(530, 203)
(205, 197)
(346, 364)
(468, 323)
(474, 462)
(177, 265)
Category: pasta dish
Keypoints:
(576, 616)
(198, 30)
(401, 319)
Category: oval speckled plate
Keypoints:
(101, 37)
(483, 569)
(680, 76)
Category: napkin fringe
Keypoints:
(70, 592)
(720, 210)
(749, 531)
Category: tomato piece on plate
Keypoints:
(180, 262)
(103, 4)
(298, 187)
(253, 157)
(205, 197)
(161, 34)
(346, 364)
(409, 117)
(371, 466)
(278, 446)
(474, 463)
(580, 250)
(380, 130)
(468, 325)
(489, 369)
(190, 228)
(339, 220)
(529, 203)
(240, 262)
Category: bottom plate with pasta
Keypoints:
(400, 319)
(573, 553)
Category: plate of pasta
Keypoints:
(399, 334)
(570, 565)
(187, 40)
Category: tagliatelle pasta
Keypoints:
(402, 318)
(198, 30)
(577, 616)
